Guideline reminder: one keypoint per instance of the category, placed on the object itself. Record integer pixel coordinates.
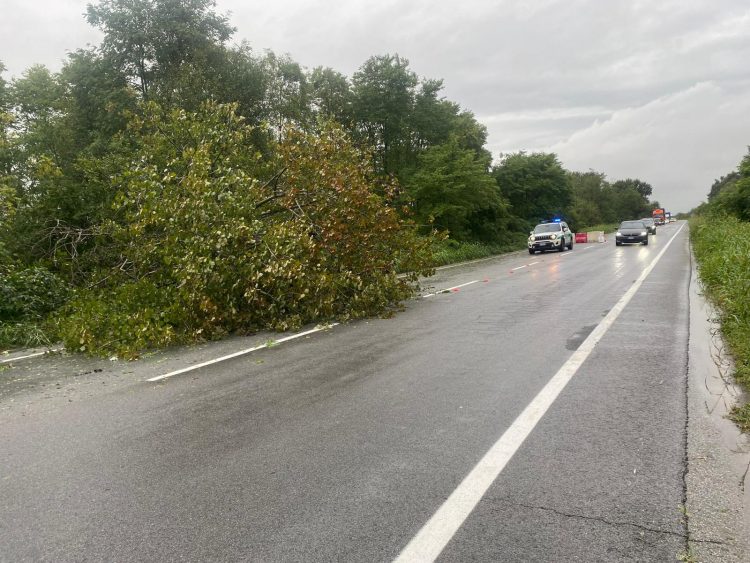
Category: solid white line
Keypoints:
(518, 268)
(240, 353)
(438, 531)
(450, 288)
(36, 354)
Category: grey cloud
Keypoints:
(671, 142)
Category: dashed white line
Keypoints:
(450, 288)
(437, 532)
(241, 352)
(524, 266)
(35, 355)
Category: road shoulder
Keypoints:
(718, 499)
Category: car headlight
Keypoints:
(619, 234)
(531, 239)
(644, 233)
(553, 236)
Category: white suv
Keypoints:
(550, 236)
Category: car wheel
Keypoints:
(645, 242)
(532, 251)
(618, 243)
(570, 246)
(561, 247)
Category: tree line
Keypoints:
(166, 163)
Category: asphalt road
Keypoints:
(341, 445)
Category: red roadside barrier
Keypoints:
(581, 237)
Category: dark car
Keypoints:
(650, 223)
(632, 232)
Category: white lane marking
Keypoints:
(438, 531)
(35, 355)
(450, 288)
(524, 266)
(241, 352)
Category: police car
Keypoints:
(554, 235)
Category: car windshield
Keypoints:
(632, 225)
(547, 228)
(647, 221)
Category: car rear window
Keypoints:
(632, 225)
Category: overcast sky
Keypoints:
(654, 89)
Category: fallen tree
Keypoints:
(211, 237)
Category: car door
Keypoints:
(567, 235)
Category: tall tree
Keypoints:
(723, 183)
(592, 199)
(631, 199)
(535, 185)
(643, 188)
(96, 102)
(331, 95)
(286, 100)
(384, 91)
(6, 122)
(735, 197)
(453, 189)
(8, 180)
(38, 103)
(151, 40)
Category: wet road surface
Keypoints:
(341, 445)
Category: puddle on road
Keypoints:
(577, 339)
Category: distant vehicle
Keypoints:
(651, 224)
(550, 236)
(632, 232)
(658, 215)
(667, 216)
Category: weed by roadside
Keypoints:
(741, 417)
(450, 251)
(24, 334)
(722, 247)
(687, 556)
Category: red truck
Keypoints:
(658, 215)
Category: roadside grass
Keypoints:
(722, 249)
(450, 251)
(25, 334)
